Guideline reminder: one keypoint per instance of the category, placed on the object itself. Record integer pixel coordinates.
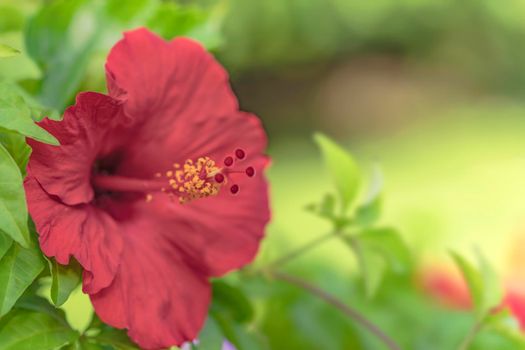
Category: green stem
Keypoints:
(471, 335)
(303, 249)
(340, 305)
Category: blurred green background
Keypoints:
(431, 90)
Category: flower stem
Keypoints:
(469, 338)
(340, 305)
(303, 249)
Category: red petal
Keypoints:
(164, 81)
(65, 171)
(156, 295)
(85, 232)
(220, 233)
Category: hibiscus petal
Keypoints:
(83, 231)
(220, 233)
(65, 170)
(165, 81)
(155, 295)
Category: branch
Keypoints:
(340, 305)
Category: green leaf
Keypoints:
(114, 337)
(99, 335)
(492, 288)
(484, 286)
(15, 115)
(13, 208)
(369, 212)
(378, 250)
(371, 264)
(210, 338)
(387, 242)
(171, 20)
(342, 167)
(27, 330)
(31, 302)
(5, 244)
(50, 41)
(64, 280)
(8, 51)
(325, 209)
(17, 147)
(231, 302)
(18, 269)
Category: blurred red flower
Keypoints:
(452, 291)
(154, 189)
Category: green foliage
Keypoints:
(231, 310)
(483, 283)
(15, 115)
(370, 210)
(211, 337)
(8, 51)
(231, 302)
(101, 336)
(64, 280)
(18, 269)
(13, 209)
(342, 167)
(378, 250)
(35, 325)
(65, 34)
(172, 19)
(17, 147)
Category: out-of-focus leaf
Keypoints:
(17, 147)
(376, 250)
(238, 335)
(492, 288)
(13, 209)
(18, 269)
(28, 330)
(11, 18)
(201, 24)
(61, 50)
(371, 264)
(484, 286)
(387, 242)
(64, 280)
(8, 51)
(210, 338)
(63, 35)
(342, 167)
(15, 115)
(325, 209)
(231, 302)
(370, 210)
(500, 331)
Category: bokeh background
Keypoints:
(432, 91)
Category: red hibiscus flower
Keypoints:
(154, 189)
(452, 291)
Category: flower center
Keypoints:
(194, 179)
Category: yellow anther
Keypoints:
(149, 197)
(194, 179)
